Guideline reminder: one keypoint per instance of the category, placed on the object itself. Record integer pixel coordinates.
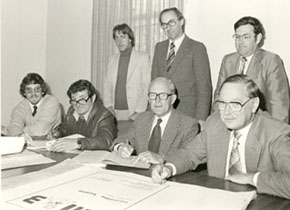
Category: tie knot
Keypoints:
(34, 110)
(159, 121)
(172, 45)
(243, 59)
(81, 117)
(237, 135)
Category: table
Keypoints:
(262, 202)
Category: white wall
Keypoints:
(49, 37)
(69, 32)
(212, 22)
(23, 33)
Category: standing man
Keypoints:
(127, 77)
(159, 131)
(265, 68)
(86, 116)
(239, 143)
(186, 63)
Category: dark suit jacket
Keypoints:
(267, 151)
(180, 130)
(100, 131)
(190, 72)
(267, 71)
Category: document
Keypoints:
(11, 145)
(110, 158)
(87, 187)
(25, 158)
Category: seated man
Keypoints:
(86, 116)
(38, 113)
(159, 131)
(240, 143)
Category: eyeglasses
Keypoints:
(29, 90)
(162, 96)
(235, 106)
(244, 37)
(82, 101)
(170, 23)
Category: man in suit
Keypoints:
(127, 77)
(86, 116)
(264, 67)
(185, 62)
(176, 129)
(240, 143)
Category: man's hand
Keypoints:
(160, 173)
(64, 145)
(151, 157)
(125, 150)
(241, 178)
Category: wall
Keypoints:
(69, 30)
(212, 22)
(52, 38)
(23, 33)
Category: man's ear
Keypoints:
(173, 98)
(93, 98)
(255, 104)
(258, 38)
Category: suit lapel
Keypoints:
(253, 147)
(132, 63)
(254, 66)
(170, 133)
(145, 132)
(114, 71)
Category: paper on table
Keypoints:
(26, 158)
(89, 187)
(11, 145)
(110, 158)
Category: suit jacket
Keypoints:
(190, 72)
(267, 151)
(138, 79)
(267, 71)
(100, 131)
(180, 130)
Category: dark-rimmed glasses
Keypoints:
(233, 105)
(162, 96)
(81, 101)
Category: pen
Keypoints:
(162, 164)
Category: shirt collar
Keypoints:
(38, 104)
(163, 118)
(177, 42)
(86, 115)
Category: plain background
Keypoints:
(53, 38)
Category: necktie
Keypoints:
(242, 65)
(235, 164)
(155, 139)
(80, 125)
(171, 56)
(34, 110)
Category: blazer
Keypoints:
(268, 72)
(190, 73)
(100, 131)
(267, 151)
(180, 130)
(138, 79)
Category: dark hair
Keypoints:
(258, 27)
(251, 86)
(177, 13)
(81, 85)
(33, 78)
(125, 29)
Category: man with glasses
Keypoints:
(159, 131)
(38, 113)
(88, 117)
(265, 68)
(240, 143)
(185, 62)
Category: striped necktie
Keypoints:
(243, 61)
(235, 164)
(155, 139)
(171, 56)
